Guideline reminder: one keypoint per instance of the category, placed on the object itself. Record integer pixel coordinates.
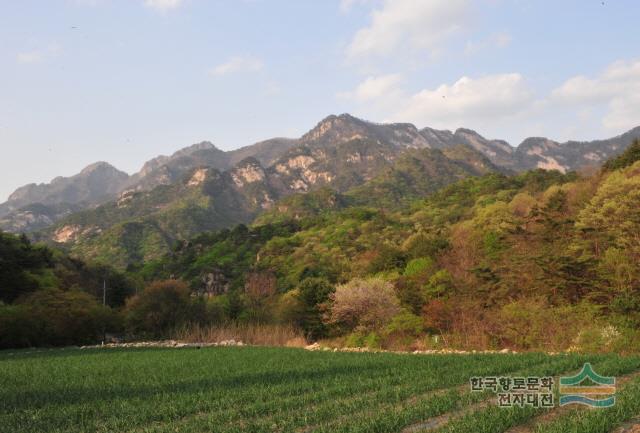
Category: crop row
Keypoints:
(246, 389)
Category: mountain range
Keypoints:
(103, 212)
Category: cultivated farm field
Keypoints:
(258, 389)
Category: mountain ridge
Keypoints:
(32, 206)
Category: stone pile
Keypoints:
(166, 343)
(317, 346)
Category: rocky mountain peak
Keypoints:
(99, 166)
(334, 127)
(333, 130)
(466, 131)
(197, 147)
(92, 185)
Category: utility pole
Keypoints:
(104, 304)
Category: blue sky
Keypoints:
(126, 80)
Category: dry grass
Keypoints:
(254, 334)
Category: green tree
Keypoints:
(160, 308)
(55, 318)
(20, 264)
(612, 217)
(627, 158)
(313, 293)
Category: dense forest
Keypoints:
(535, 261)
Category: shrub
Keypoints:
(388, 258)
(438, 285)
(370, 340)
(418, 266)
(355, 339)
(522, 204)
(534, 323)
(438, 315)
(425, 245)
(406, 323)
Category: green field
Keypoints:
(252, 389)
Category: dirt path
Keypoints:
(439, 421)
(632, 426)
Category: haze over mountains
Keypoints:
(342, 152)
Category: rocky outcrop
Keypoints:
(248, 171)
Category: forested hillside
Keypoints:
(50, 299)
(538, 260)
(144, 225)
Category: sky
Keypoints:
(126, 80)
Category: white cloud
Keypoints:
(237, 64)
(39, 55)
(486, 102)
(617, 89)
(163, 5)
(374, 88)
(495, 40)
(504, 105)
(580, 89)
(468, 101)
(401, 24)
